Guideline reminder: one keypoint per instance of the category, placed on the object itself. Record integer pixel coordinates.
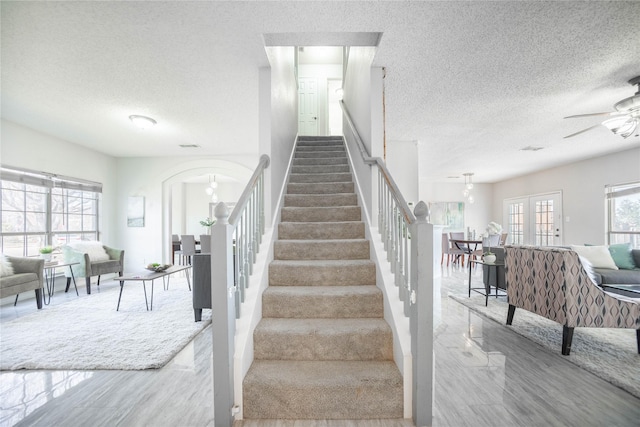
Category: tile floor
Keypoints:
(485, 375)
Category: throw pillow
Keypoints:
(598, 256)
(94, 249)
(621, 254)
(6, 269)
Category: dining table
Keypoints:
(465, 245)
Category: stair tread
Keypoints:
(323, 291)
(322, 262)
(294, 326)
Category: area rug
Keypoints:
(89, 334)
(610, 354)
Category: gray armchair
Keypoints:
(92, 261)
(28, 274)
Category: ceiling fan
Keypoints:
(625, 119)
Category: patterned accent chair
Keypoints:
(553, 283)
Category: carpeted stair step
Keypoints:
(320, 169)
(322, 273)
(325, 141)
(321, 214)
(320, 162)
(319, 200)
(320, 177)
(322, 302)
(319, 154)
(322, 249)
(321, 188)
(284, 389)
(323, 339)
(314, 230)
(318, 147)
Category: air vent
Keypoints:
(531, 148)
(189, 146)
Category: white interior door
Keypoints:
(534, 220)
(308, 106)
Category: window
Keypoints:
(534, 220)
(39, 209)
(623, 214)
(516, 223)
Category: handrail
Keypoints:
(408, 242)
(245, 197)
(397, 195)
(235, 242)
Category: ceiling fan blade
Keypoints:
(612, 113)
(583, 130)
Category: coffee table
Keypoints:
(632, 291)
(146, 276)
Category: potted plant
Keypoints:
(46, 252)
(207, 223)
(489, 257)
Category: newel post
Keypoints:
(421, 316)
(223, 316)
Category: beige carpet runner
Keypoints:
(322, 349)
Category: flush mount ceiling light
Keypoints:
(143, 122)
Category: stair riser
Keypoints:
(320, 162)
(334, 214)
(323, 188)
(320, 140)
(321, 275)
(320, 169)
(309, 231)
(307, 148)
(367, 341)
(319, 154)
(288, 302)
(324, 200)
(350, 395)
(317, 250)
(320, 177)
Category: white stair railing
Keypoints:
(235, 242)
(408, 240)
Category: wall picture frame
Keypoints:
(135, 211)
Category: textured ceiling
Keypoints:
(473, 82)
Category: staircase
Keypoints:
(322, 349)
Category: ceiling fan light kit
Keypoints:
(626, 120)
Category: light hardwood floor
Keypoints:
(486, 375)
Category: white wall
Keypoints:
(26, 148)
(154, 178)
(476, 215)
(279, 107)
(196, 203)
(582, 185)
(402, 161)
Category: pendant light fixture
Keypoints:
(468, 187)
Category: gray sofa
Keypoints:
(601, 275)
(28, 275)
(201, 264)
(620, 277)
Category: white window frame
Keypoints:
(617, 192)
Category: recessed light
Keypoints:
(143, 122)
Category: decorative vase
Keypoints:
(46, 257)
(489, 258)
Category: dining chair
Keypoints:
(503, 239)
(460, 249)
(188, 245)
(205, 243)
(175, 248)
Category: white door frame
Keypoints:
(530, 230)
